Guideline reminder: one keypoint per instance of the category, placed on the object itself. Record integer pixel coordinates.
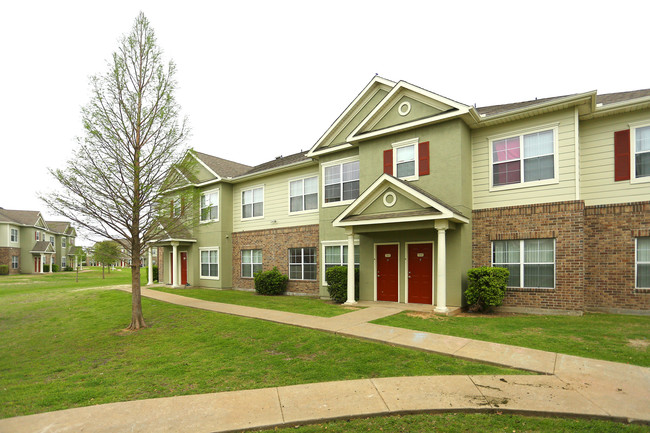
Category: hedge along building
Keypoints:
(414, 189)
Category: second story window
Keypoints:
(642, 151)
(52, 240)
(63, 243)
(210, 206)
(523, 158)
(303, 194)
(177, 207)
(14, 235)
(342, 182)
(252, 203)
(405, 161)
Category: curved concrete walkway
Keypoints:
(567, 386)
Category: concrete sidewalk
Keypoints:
(569, 386)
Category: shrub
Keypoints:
(337, 283)
(487, 287)
(46, 268)
(68, 268)
(155, 273)
(55, 268)
(4, 269)
(271, 282)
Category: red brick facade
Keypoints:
(594, 252)
(610, 256)
(275, 244)
(5, 258)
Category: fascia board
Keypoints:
(268, 171)
(330, 150)
(610, 109)
(374, 82)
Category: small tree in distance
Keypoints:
(106, 252)
(133, 141)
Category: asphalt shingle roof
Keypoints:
(26, 217)
(223, 167)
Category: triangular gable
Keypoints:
(40, 222)
(203, 172)
(417, 205)
(406, 107)
(42, 247)
(363, 104)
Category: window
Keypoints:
(251, 263)
(252, 203)
(642, 151)
(177, 207)
(209, 263)
(302, 263)
(303, 194)
(63, 242)
(531, 262)
(405, 161)
(337, 255)
(14, 235)
(14, 262)
(342, 182)
(52, 240)
(63, 262)
(37, 236)
(643, 263)
(524, 158)
(210, 206)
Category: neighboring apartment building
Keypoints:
(415, 189)
(28, 242)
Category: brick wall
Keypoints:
(275, 244)
(5, 258)
(610, 255)
(563, 221)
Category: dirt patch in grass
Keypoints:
(638, 344)
(426, 315)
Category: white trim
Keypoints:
(576, 145)
(252, 263)
(405, 111)
(303, 178)
(322, 176)
(633, 127)
(398, 266)
(520, 133)
(302, 263)
(521, 262)
(416, 157)
(241, 207)
(198, 159)
(336, 243)
(201, 276)
(9, 229)
(433, 270)
(636, 263)
(385, 197)
(212, 191)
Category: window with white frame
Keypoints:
(303, 194)
(302, 263)
(251, 263)
(524, 158)
(252, 203)
(641, 151)
(63, 242)
(14, 262)
(210, 206)
(209, 262)
(177, 207)
(52, 240)
(531, 262)
(38, 235)
(63, 262)
(405, 159)
(14, 235)
(341, 182)
(643, 263)
(337, 255)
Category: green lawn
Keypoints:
(64, 348)
(294, 304)
(459, 422)
(619, 338)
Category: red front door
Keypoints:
(420, 273)
(387, 273)
(183, 268)
(171, 268)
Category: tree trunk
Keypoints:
(137, 319)
(103, 277)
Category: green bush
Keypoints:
(55, 268)
(337, 283)
(46, 268)
(487, 287)
(68, 268)
(155, 273)
(271, 282)
(4, 269)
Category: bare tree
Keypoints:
(133, 144)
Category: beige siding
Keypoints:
(276, 202)
(564, 190)
(597, 184)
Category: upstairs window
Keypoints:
(177, 207)
(14, 235)
(405, 161)
(210, 206)
(642, 151)
(531, 262)
(643, 263)
(524, 158)
(303, 194)
(52, 240)
(63, 244)
(252, 203)
(342, 182)
(37, 235)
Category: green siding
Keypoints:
(418, 110)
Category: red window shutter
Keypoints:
(388, 161)
(622, 155)
(423, 155)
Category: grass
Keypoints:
(459, 422)
(618, 338)
(68, 348)
(294, 304)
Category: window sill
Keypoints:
(531, 184)
(203, 277)
(252, 218)
(338, 203)
(530, 289)
(309, 281)
(635, 180)
(303, 212)
(645, 290)
(209, 221)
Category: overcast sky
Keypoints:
(259, 79)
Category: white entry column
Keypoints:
(51, 263)
(174, 264)
(351, 299)
(441, 280)
(42, 262)
(149, 268)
